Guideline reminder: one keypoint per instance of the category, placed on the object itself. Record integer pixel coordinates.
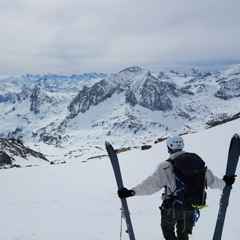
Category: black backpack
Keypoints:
(189, 171)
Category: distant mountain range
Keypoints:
(132, 107)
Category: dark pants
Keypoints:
(183, 227)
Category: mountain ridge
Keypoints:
(129, 108)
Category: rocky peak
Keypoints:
(229, 89)
(132, 71)
(154, 97)
(131, 98)
(232, 70)
(38, 98)
(139, 85)
(91, 96)
(128, 75)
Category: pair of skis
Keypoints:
(233, 155)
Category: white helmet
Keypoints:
(175, 142)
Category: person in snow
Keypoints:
(162, 178)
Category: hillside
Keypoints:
(79, 201)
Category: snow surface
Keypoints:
(78, 200)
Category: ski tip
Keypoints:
(107, 144)
(236, 135)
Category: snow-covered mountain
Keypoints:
(129, 108)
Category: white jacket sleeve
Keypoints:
(213, 181)
(154, 182)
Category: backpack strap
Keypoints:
(166, 188)
(171, 161)
(172, 194)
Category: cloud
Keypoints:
(77, 36)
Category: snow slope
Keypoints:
(78, 200)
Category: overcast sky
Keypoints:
(78, 36)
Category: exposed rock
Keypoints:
(229, 89)
(145, 147)
(15, 147)
(5, 159)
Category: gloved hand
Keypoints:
(229, 180)
(124, 193)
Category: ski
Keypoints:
(233, 155)
(117, 172)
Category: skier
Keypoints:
(163, 178)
